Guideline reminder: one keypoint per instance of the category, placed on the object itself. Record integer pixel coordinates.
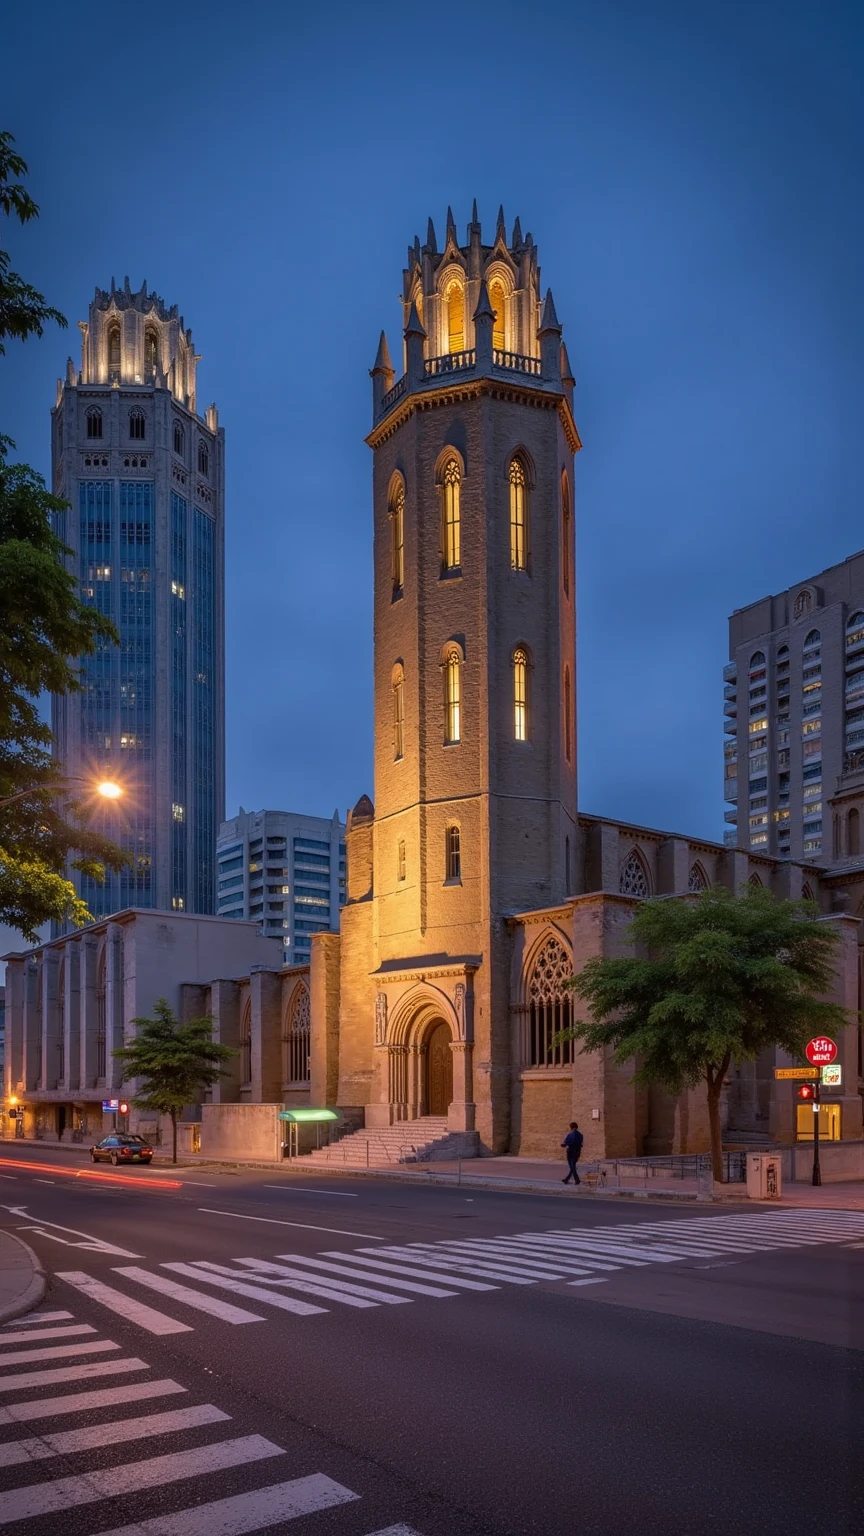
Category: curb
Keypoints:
(35, 1290)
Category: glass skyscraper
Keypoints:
(144, 476)
(287, 871)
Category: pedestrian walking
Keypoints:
(573, 1141)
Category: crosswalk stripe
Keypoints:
(61, 1352)
(83, 1402)
(350, 1270)
(618, 1256)
(38, 1317)
(307, 1286)
(68, 1441)
(559, 1260)
(396, 1530)
(63, 1493)
(518, 1262)
(336, 1288)
(246, 1512)
(46, 1333)
(429, 1272)
(255, 1292)
(71, 1373)
(428, 1253)
(177, 1292)
(125, 1306)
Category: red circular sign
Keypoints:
(821, 1051)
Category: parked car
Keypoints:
(121, 1149)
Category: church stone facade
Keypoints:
(474, 888)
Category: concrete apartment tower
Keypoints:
(475, 750)
(144, 474)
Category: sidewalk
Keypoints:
(22, 1283)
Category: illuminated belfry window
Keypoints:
(451, 517)
(398, 714)
(453, 696)
(455, 318)
(151, 354)
(497, 300)
(518, 516)
(397, 527)
(520, 694)
(114, 353)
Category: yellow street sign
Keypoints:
(802, 1074)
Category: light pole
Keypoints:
(107, 788)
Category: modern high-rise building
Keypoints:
(144, 475)
(286, 870)
(794, 691)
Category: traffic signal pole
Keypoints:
(817, 1171)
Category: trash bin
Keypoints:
(763, 1176)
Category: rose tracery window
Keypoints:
(550, 1008)
(633, 880)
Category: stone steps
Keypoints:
(407, 1141)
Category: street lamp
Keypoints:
(107, 788)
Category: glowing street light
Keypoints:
(107, 788)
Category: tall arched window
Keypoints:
(397, 537)
(179, 439)
(697, 881)
(203, 457)
(137, 425)
(94, 422)
(568, 717)
(455, 318)
(101, 1019)
(246, 1047)
(518, 516)
(566, 534)
(453, 854)
(451, 517)
(550, 1008)
(297, 1038)
(633, 880)
(453, 695)
(114, 353)
(151, 354)
(520, 693)
(498, 301)
(853, 833)
(398, 714)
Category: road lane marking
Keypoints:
(44, 1181)
(246, 1512)
(255, 1292)
(308, 1286)
(597, 1280)
(66, 1442)
(125, 1306)
(30, 1379)
(350, 1270)
(189, 1298)
(273, 1221)
(38, 1317)
(302, 1189)
(96, 1244)
(285, 1275)
(61, 1352)
(47, 1333)
(397, 1530)
(83, 1402)
(64, 1493)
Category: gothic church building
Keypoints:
(475, 889)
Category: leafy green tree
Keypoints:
(717, 978)
(43, 824)
(174, 1062)
(23, 311)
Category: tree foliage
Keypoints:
(717, 978)
(174, 1062)
(45, 623)
(23, 310)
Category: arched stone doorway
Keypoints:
(438, 1074)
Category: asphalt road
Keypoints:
(587, 1366)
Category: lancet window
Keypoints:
(520, 693)
(453, 695)
(451, 517)
(550, 1008)
(518, 516)
(297, 1038)
(633, 880)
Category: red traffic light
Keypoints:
(123, 1107)
(807, 1091)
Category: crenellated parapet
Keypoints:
(133, 337)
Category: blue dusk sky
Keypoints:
(692, 174)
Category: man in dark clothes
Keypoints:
(573, 1142)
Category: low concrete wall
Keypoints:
(837, 1159)
(239, 1133)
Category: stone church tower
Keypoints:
(474, 818)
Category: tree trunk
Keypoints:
(174, 1135)
(714, 1091)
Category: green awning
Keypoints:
(303, 1116)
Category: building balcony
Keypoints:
(730, 727)
(731, 818)
(730, 790)
(730, 839)
(730, 672)
(730, 709)
(458, 366)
